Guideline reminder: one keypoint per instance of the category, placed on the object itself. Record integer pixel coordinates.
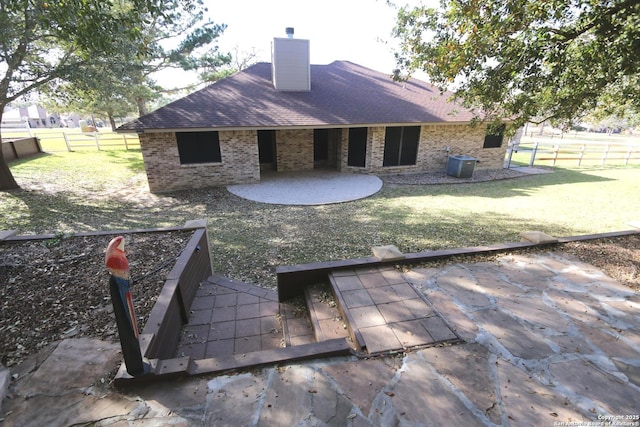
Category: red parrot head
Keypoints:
(116, 258)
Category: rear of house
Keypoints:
(293, 116)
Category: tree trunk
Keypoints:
(7, 181)
(142, 106)
(112, 120)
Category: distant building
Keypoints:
(33, 116)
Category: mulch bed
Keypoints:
(618, 257)
(58, 288)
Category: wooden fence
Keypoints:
(100, 140)
(52, 140)
(578, 152)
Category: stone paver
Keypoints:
(234, 400)
(527, 400)
(471, 369)
(547, 342)
(387, 311)
(73, 365)
(227, 319)
(598, 389)
(433, 403)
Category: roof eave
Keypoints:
(288, 127)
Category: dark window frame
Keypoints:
(267, 146)
(494, 140)
(321, 144)
(199, 147)
(401, 144)
(357, 147)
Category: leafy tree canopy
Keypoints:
(52, 43)
(528, 60)
(179, 39)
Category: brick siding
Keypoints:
(462, 139)
(238, 150)
(294, 152)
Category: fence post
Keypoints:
(126, 146)
(28, 127)
(556, 148)
(605, 154)
(533, 154)
(507, 161)
(95, 136)
(66, 141)
(628, 156)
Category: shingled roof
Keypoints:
(342, 94)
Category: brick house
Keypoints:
(293, 116)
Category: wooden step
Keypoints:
(324, 314)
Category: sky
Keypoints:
(354, 30)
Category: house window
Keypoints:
(198, 147)
(357, 147)
(401, 145)
(494, 139)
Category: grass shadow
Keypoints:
(131, 158)
(46, 213)
(23, 160)
(249, 239)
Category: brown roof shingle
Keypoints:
(342, 94)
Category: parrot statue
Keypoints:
(118, 265)
(116, 262)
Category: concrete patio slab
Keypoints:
(316, 187)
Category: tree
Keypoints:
(48, 43)
(180, 40)
(526, 59)
(615, 110)
(98, 94)
(39, 43)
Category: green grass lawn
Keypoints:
(82, 191)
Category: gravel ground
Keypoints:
(479, 175)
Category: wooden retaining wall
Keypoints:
(20, 148)
(161, 335)
(291, 276)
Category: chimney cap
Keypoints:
(289, 31)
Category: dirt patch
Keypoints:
(430, 178)
(58, 288)
(618, 257)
